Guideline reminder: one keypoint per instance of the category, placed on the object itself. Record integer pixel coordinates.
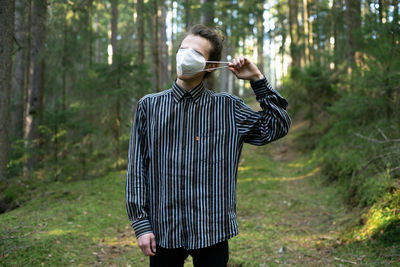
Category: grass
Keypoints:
(286, 216)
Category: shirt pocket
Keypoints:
(212, 146)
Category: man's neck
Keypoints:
(189, 84)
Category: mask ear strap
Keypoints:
(218, 62)
(216, 68)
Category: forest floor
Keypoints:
(287, 215)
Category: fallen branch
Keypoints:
(383, 134)
(376, 140)
(343, 260)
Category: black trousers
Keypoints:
(213, 256)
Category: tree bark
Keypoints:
(260, 36)
(306, 34)
(35, 88)
(163, 47)
(19, 81)
(395, 4)
(114, 44)
(173, 50)
(207, 18)
(294, 33)
(187, 6)
(140, 32)
(97, 43)
(6, 49)
(353, 21)
(155, 45)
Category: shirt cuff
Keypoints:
(263, 88)
(141, 227)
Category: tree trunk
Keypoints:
(114, 44)
(395, 4)
(333, 38)
(6, 44)
(173, 50)
(207, 18)
(294, 33)
(155, 45)
(310, 33)
(90, 31)
(260, 36)
(97, 43)
(187, 6)
(18, 81)
(163, 47)
(208, 11)
(306, 33)
(140, 32)
(353, 21)
(35, 88)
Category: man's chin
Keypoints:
(188, 77)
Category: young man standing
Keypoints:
(184, 152)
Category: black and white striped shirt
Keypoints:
(183, 157)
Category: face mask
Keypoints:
(189, 62)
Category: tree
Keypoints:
(36, 80)
(260, 35)
(353, 22)
(140, 32)
(6, 48)
(20, 71)
(294, 33)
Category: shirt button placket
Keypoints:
(186, 101)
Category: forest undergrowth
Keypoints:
(287, 213)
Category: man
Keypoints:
(184, 152)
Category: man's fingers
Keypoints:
(241, 59)
(153, 244)
(145, 243)
(147, 250)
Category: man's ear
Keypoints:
(211, 66)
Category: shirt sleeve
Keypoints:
(137, 202)
(267, 125)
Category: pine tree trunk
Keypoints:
(395, 4)
(353, 21)
(140, 32)
(97, 43)
(35, 87)
(306, 34)
(114, 44)
(173, 48)
(90, 32)
(294, 33)
(155, 45)
(187, 6)
(260, 36)
(6, 49)
(207, 18)
(310, 34)
(18, 81)
(163, 48)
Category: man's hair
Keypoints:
(213, 36)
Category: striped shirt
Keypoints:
(184, 151)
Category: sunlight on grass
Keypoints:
(260, 179)
(57, 232)
(379, 217)
(121, 242)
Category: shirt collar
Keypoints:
(179, 92)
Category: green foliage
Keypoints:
(311, 91)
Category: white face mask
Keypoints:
(189, 62)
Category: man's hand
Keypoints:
(244, 69)
(147, 244)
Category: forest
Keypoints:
(73, 71)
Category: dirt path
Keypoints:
(286, 215)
